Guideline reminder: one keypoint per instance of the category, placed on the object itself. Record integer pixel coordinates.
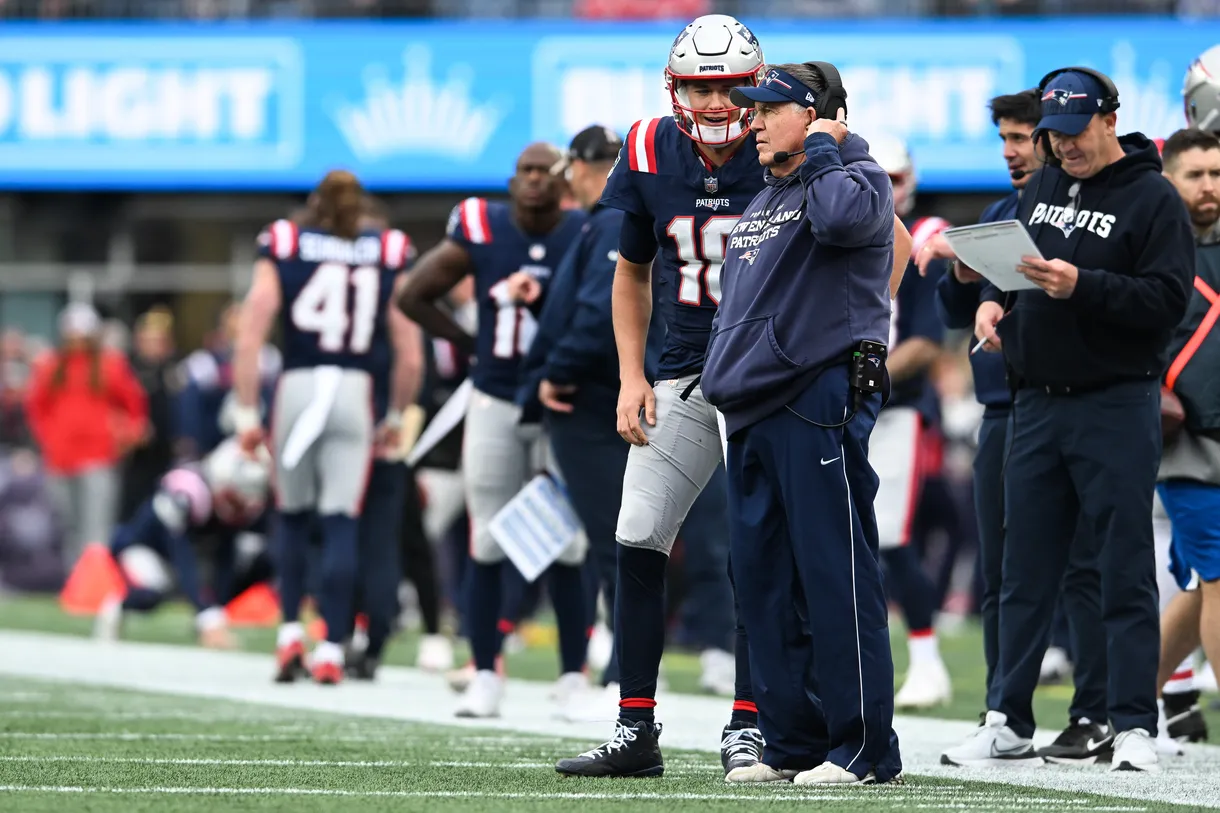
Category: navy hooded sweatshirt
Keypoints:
(1127, 231)
(804, 281)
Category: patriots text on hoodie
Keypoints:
(1127, 231)
(805, 280)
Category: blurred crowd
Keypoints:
(587, 9)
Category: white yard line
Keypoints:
(691, 722)
(42, 759)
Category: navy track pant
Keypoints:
(1089, 457)
(805, 562)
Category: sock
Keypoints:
(1183, 678)
(744, 710)
(292, 548)
(922, 646)
(567, 588)
(290, 632)
(485, 638)
(639, 606)
(338, 590)
(327, 652)
(911, 586)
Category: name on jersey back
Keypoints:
(323, 248)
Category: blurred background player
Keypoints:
(511, 250)
(223, 495)
(682, 182)
(397, 374)
(332, 283)
(159, 373)
(899, 438)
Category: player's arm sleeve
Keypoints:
(637, 242)
(588, 341)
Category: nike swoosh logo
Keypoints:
(831, 460)
(1009, 752)
(1091, 745)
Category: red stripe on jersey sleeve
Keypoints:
(650, 145)
(632, 135)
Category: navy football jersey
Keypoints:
(660, 175)
(913, 313)
(335, 293)
(497, 250)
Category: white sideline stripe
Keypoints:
(691, 722)
(136, 736)
(310, 763)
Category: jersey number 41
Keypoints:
(324, 306)
(700, 259)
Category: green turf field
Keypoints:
(70, 747)
(962, 651)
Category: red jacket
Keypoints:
(77, 426)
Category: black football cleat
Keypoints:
(633, 751)
(290, 663)
(1185, 717)
(362, 667)
(741, 745)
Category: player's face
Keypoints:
(1018, 142)
(1084, 155)
(712, 95)
(1196, 175)
(778, 127)
(533, 185)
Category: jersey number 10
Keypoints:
(701, 261)
(323, 307)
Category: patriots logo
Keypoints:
(1062, 96)
(750, 256)
(773, 78)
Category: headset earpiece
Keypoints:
(835, 96)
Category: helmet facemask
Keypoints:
(737, 121)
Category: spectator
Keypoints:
(85, 409)
(14, 376)
(159, 375)
(640, 9)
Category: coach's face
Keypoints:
(1087, 153)
(780, 128)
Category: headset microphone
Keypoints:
(1018, 174)
(781, 156)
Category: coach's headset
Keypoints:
(828, 103)
(1109, 103)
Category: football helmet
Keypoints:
(1201, 91)
(892, 154)
(239, 481)
(714, 46)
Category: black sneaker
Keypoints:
(632, 751)
(362, 667)
(741, 745)
(1185, 717)
(1084, 742)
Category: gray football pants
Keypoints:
(499, 456)
(332, 475)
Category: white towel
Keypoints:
(312, 420)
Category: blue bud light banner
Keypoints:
(419, 106)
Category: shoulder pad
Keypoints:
(396, 249)
(469, 221)
(642, 145)
(924, 229)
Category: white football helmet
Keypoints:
(1201, 91)
(892, 154)
(714, 46)
(239, 481)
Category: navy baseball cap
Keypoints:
(1069, 102)
(776, 87)
(594, 143)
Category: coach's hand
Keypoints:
(936, 248)
(1056, 277)
(551, 395)
(633, 397)
(985, 319)
(836, 127)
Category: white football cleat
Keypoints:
(596, 704)
(569, 685)
(927, 686)
(719, 672)
(459, 679)
(1135, 750)
(435, 654)
(482, 697)
(993, 745)
(601, 647)
(759, 772)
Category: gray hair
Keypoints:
(808, 76)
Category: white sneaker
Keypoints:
(1055, 666)
(1135, 750)
(759, 772)
(569, 685)
(601, 647)
(993, 744)
(109, 620)
(435, 654)
(829, 773)
(719, 672)
(482, 697)
(1165, 744)
(594, 705)
(927, 686)
(459, 679)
